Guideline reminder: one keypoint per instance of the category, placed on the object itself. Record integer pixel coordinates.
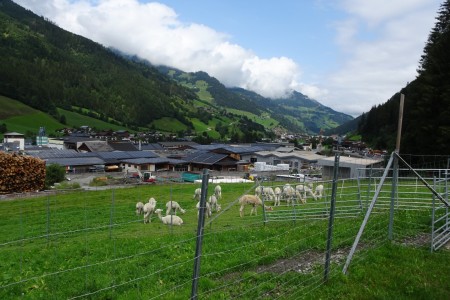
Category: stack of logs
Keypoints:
(20, 174)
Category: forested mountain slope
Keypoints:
(426, 117)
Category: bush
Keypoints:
(54, 173)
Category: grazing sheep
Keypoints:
(218, 192)
(197, 193)
(266, 192)
(173, 206)
(139, 208)
(289, 193)
(208, 209)
(300, 188)
(259, 191)
(309, 190)
(277, 192)
(319, 191)
(298, 196)
(169, 219)
(252, 200)
(149, 208)
(213, 202)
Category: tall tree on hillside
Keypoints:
(429, 112)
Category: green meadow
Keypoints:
(91, 244)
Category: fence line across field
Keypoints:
(51, 224)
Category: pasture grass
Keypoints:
(90, 244)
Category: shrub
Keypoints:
(54, 173)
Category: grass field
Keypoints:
(92, 245)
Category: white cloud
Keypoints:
(382, 49)
(379, 44)
(153, 31)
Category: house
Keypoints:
(349, 167)
(296, 159)
(153, 164)
(13, 141)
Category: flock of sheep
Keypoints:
(290, 194)
(172, 207)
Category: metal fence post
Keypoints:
(200, 227)
(331, 219)
(393, 197)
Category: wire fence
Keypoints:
(92, 244)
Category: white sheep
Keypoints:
(300, 188)
(149, 208)
(208, 209)
(319, 191)
(277, 192)
(289, 194)
(212, 200)
(218, 192)
(266, 192)
(252, 200)
(173, 206)
(169, 219)
(139, 208)
(309, 190)
(197, 193)
(298, 196)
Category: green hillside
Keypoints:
(69, 77)
(27, 120)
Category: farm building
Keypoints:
(348, 166)
(296, 159)
(14, 141)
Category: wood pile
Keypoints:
(20, 173)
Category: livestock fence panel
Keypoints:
(92, 244)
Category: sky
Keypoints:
(349, 55)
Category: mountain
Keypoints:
(426, 115)
(57, 72)
(298, 113)
(47, 67)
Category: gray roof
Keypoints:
(206, 158)
(155, 160)
(121, 155)
(96, 146)
(58, 153)
(75, 161)
(303, 155)
(153, 146)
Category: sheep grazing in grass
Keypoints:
(252, 200)
(139, 208)
(289, 194)
(149, 208)
(208, 209)
(309, 190)
(319, 191)
(169, 219)
(173, 206)
(277, 192)
(197, 193)
(266, 192)
(212, 200)
(298, 196)
(300, 188)
(218, 192)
